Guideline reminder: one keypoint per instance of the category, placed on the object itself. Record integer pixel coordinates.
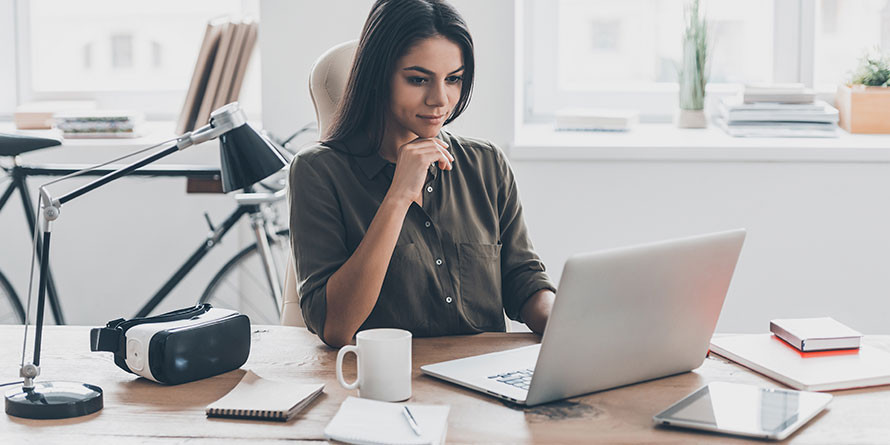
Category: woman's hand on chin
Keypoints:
(413, 160)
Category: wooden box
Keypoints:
(864, 109)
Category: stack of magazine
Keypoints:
(219, 70)
(99, 124)
(777, 111)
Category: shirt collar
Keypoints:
(370, 163)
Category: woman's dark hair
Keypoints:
(392, 27)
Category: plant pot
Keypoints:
(864, 109)
(691, 119)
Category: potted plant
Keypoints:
(693, 70)
(864, 102)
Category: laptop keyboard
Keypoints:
(520, 379)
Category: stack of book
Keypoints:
(785, 93)
(219, 71)
(779, 111)
(99, 124)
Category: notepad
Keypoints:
(258, 398)
(368, 422)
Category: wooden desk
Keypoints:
(137, 410)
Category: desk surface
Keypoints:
(137, 410)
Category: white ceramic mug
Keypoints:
(383, 358)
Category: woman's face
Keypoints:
(426, 86)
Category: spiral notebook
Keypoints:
(262, 399)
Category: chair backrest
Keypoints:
(327, 82)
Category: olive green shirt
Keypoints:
(461, 259)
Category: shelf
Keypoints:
(90, 151)
(665, 142)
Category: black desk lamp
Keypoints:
(246, 158)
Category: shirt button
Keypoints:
(427, 224)
(439, 261)
(429, 189)
(448, 300)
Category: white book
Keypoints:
(778, 129)
(736, 104)
(819, 111)
(775, 88)
(807, 371)
(801, 98)
(781, 93)
(596, 119)
(815, 334)
(369, 422)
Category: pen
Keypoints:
(411, 420)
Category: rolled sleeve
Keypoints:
(522, 272)
(317, 237)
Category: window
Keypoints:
(621, 55)
(844, 31)
(136, 55)
(603, 42)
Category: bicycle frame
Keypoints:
(19, 175)
(209, 243)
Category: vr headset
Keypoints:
(179, 346)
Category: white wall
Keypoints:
(295, 33)
(817, 242)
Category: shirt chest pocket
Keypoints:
(480, 285)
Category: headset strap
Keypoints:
(109, 338)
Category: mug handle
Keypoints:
(343, 351)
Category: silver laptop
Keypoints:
(621, 316)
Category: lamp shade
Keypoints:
(246, 157)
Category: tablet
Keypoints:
(744, 410)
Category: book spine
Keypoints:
(786, 336)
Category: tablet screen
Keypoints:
(745, 408)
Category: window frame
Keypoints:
(793, 61)
(161, 104)
(8, 75)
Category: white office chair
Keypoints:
(327, 82)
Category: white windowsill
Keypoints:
(151, 132)
(665, 142)
(94, 151)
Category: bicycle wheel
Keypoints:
(11, 311)
(241, 284)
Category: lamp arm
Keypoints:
(57, 202)
(50, 212)
(222, 121)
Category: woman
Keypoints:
(398, 223)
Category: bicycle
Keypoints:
(257, 269)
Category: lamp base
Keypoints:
(54, 400)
